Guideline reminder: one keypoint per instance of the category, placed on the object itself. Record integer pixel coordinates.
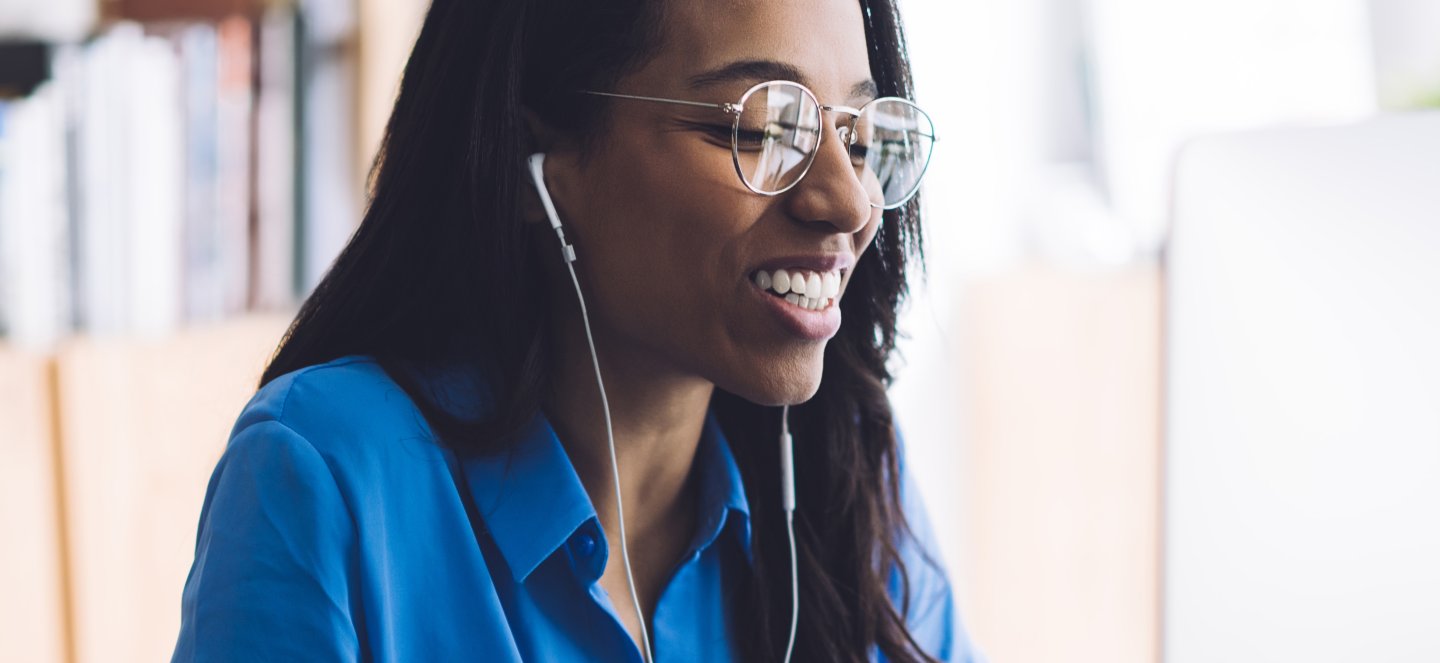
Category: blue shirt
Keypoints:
(333, 529)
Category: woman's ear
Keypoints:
(542, 136)
(559, 169)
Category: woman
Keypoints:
(431, 470)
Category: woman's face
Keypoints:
(669, 239)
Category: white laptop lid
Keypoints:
(1302, 516)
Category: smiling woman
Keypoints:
(434, 467)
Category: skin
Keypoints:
(667, 237)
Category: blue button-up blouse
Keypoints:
(334, 529)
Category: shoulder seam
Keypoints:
(349, 510)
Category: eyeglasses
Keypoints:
(776, 132)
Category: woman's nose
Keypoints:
(831, 192)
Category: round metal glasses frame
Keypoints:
(737, 109)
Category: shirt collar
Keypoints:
(722, 498)
(532, 500)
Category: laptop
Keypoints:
(1302, 395)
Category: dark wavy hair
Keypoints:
(442, 269)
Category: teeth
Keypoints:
(781, 282)
(809, 290)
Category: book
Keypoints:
(177, 173)
(273, 261)
(33, 224)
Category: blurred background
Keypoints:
(1171, 387)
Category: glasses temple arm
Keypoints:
(729, 108)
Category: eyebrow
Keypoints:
(769, 70)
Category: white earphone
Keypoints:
(787, 459)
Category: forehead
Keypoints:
(822, 40)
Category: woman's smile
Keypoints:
(802, 293)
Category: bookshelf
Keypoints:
(185, 163)
(191, 168)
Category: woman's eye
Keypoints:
(749, 138)
(721, 133)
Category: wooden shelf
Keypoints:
(142, 423)
(180, 10)
(32, 623)
(125, 433)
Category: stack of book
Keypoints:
(176, 172)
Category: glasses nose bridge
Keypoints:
(854, 114)
(847, 136)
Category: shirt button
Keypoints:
(585, 545)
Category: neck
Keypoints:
(657, 416)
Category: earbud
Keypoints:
(537, 173)
(787, 462)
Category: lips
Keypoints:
(812, 319)
(802, 292)
(817, 324)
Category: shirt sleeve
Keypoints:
(275, 543)
(934, 617)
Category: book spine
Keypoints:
(202, 245)
(34, 219)
(234, 106)
(154, 171)
(273, 264)
(103, 214)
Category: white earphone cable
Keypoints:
(614, 467)
(537, 162)
(787, 487)
(787, 457)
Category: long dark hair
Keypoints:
(442, 271)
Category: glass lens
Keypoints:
(776, 135)
(891, 150)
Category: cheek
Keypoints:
(661, 249)
(664, 250)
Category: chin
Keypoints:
(776, 384)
